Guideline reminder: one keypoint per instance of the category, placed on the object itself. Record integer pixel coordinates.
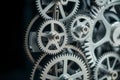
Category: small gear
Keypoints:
(52, 37)
(81, 27)
(101, 35)
(65, 8)
(108, 67)
(77, 70)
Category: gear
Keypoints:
(52, 37)
(108, 67)
(77, 70)
(66, 8)
(101, 35)
(69, 49)
(81, 27)
(30, 43)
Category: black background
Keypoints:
(16, 15)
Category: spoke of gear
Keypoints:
(63, 61)
(101, 35)
(108, 67)
(66, 8)
(52, 37)
(81, 27)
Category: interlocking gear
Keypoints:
(76, 39)
(30, 42)
(68, 72)
(52, 37)
(69, 50)
(100, 36)
(81, 27)
(108, 67)
(65, 8)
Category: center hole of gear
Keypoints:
(64, 2)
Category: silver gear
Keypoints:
(30, 43)
(79, 71)
(81, 27)
(101, 32)
(68, 49)
(46, 9)
(52, 37)
(108, 67)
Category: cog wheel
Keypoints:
(108, 67)
(101, 36)
(77, 71)
(52, 37)
(69, 50)
(81, 27)
(65, 8)
(30, 43)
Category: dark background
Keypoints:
(16, 16)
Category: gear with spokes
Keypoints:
(69, 49)
(64, 8)
(101, 35)
(79, 71)
(108, 67)
(52, 37)
(81, 27)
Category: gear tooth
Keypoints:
(87, 49)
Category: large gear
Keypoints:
(101, 35)
(65, 8)
(81, 27)
(52, 37)
(108, 67)
(71, 73)
(30, 43)
(69, 49)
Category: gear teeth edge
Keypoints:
(35, 67)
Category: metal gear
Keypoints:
(108, 67)
(30, 43)
(69, 49)
(52, 37)
(79, 71)
(81, 27)
(100, 36)
(65, 8)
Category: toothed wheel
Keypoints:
(70, 51)
(52, 37)
(30, 40)
(81, 27)
(108, 67)
(76, 71)
(65, 8)
(101, 38)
